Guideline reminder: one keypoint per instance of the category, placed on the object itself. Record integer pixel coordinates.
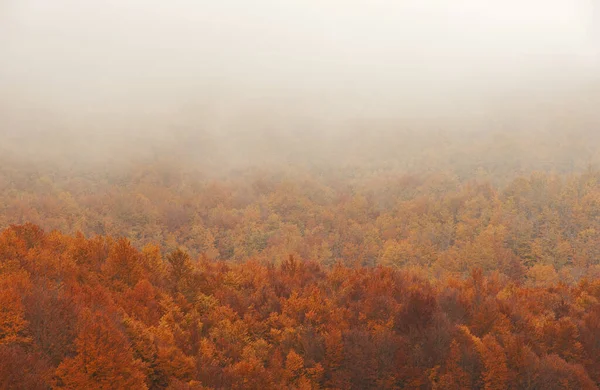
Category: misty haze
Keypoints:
(299, 194)
(90, 77)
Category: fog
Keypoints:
(118, 75)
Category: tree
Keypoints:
(104, 358)
(124, 263)
(180, 270)
(23, 370)
(496, 374)
(13, 325)
(455, 378)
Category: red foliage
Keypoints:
(116, 322)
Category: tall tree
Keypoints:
(104, 358)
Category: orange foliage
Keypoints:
(120, 318)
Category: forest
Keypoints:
(97, 313)
(299, 195)
(159, 275)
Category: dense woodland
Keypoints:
(534, 228)
(299, 195)
(97, 313)
(482, 272)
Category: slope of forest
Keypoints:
(541, 227)
(475, 265)
(299, 195)
(97, 313)
(160, 277)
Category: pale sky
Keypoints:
(124, 56)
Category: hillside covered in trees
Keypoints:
(299, 195)
(163, 275)
(530, 228)
(97, 313)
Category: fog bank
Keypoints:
(124, 73)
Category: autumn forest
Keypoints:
(299, 195)
(158, 275)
